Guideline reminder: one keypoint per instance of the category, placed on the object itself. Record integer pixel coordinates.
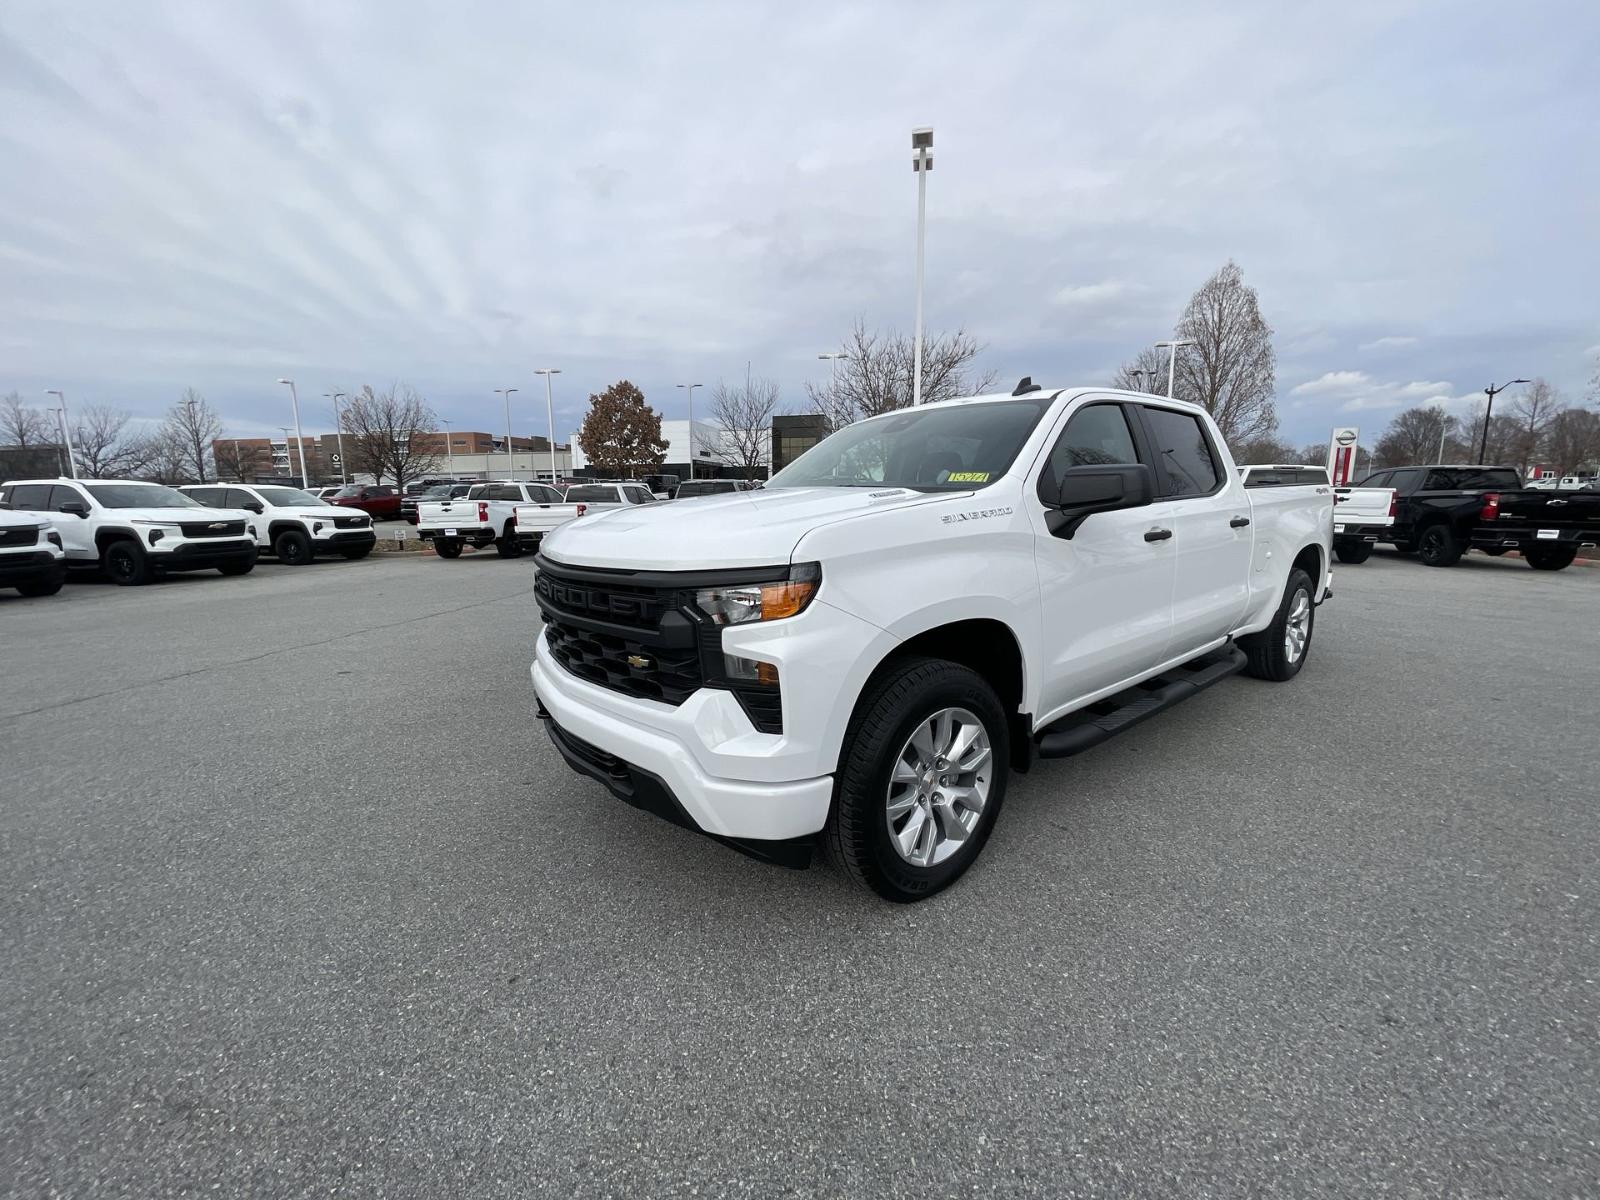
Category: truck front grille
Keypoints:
(624, 664)
(25, 535)
(213, 529)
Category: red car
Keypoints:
(381, 503)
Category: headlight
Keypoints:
(739, 604)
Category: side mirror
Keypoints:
(1081, 492)
(76, 507)
(254, 506)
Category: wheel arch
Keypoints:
(282, 525)
(1312, 559)
(103, 537)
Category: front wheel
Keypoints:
(506, 544)
(1356, 552)
(1279, 651)
(125, 564)
(48, 586)
(446, 549)
(921, 779)
(292, 547)
(1437, 546)
(1550, 558)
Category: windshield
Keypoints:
(139, 495)
(594, 493)
(951, 448)
(282, 497)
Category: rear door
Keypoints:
(1209, 515)
(77, 534)
(1105, 593)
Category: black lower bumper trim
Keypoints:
(22, 569)
(650, 793)
(198, 557)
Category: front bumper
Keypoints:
(200, 555)
(344, 539)
(36, 565)
(647, 749)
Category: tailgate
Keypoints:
(1362, 506)
(1573, 511)
(450, 514)
(542, 518)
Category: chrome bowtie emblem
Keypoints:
(638, 662)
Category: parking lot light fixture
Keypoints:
(1491, 391)
(449, 449)
(338, 431)
(833, 366)
(550, 415)
(294, 404)
(511, 462)
(1172, 362)
(690, 387)
(66, 431)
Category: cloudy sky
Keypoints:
(214, 195)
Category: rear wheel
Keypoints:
(125, 564)
(506, 545)
(446, 548)
(1353, 552)
(1437, 546)
(921, 780)
(292, 547)
(1550, 558)
(1279, 651)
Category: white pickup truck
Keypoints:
(536, 520)
(1360, 515)
(137, 531)
(487, 515)
(31, 557)
(919, 605)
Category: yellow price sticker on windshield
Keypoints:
(967, 477)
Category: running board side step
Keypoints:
(1088, 727)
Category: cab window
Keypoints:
(1182, 450)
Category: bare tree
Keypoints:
(23, 426)
(103, 445)
(241, 461)
(1230, 370)
(1501, 445)
(1416, 437)
(1532, 410)
(1265, 450)
(1146, 373)
(191, 426)
(382, 428)
(1572, 443)
(876, 374)
(164, 458)
(745, 413)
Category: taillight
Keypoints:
(1491, 507)
(1394, 499)
(483, 510)
(582, 508)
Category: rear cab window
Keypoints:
(1186, 462)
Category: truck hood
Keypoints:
(744, 529)
(179, 516)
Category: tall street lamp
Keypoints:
(1491, 391)
(1172, 364)
(66, 432)
(690, 387)
(294, 401)
(833, 367)
(922, 143)
(449, 449)
(338, 430)
(511, 463)
(550, 415)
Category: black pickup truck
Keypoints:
(1442, 511)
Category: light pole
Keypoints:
(550, 415)
(1491, 391)
(833, 367)
(66, 433)
(449, 449)
(690, 387)
(1139, 377)
(338, 430)
(922, 143)
(1444, 424)
(1172, 365)
(294, 401)
(511, 463)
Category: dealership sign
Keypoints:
(1342, 455)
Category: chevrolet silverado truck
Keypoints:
(864, 650)
(486, 516)
(1442, 511)
(534, 521)
(292, 524)
(135, 532)
(31, 556)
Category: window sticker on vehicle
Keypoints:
(967, 477)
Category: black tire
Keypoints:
(1354, 552)
(446, 548)
(125, 564)
(293, 548)
(1268, 650)
(238, 568)
(351, 553)
(1437, 546)
(858, 833)
(506, 544)
(48, 586)
(1550, 558)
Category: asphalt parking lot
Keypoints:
(297, 900)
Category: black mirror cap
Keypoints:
(1083, 491)
(76, 507)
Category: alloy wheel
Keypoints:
(1297, 629)
(938, 786)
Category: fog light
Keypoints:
(316, 527)
(750, 670)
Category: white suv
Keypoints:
(30, 554)
(294, 525)
(136, 531)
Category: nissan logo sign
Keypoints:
(1345, 437)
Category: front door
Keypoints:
(1106, 593)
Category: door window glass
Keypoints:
(1183, 450)
(35, 496)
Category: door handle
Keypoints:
(1157, 535)
(1238, 522)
